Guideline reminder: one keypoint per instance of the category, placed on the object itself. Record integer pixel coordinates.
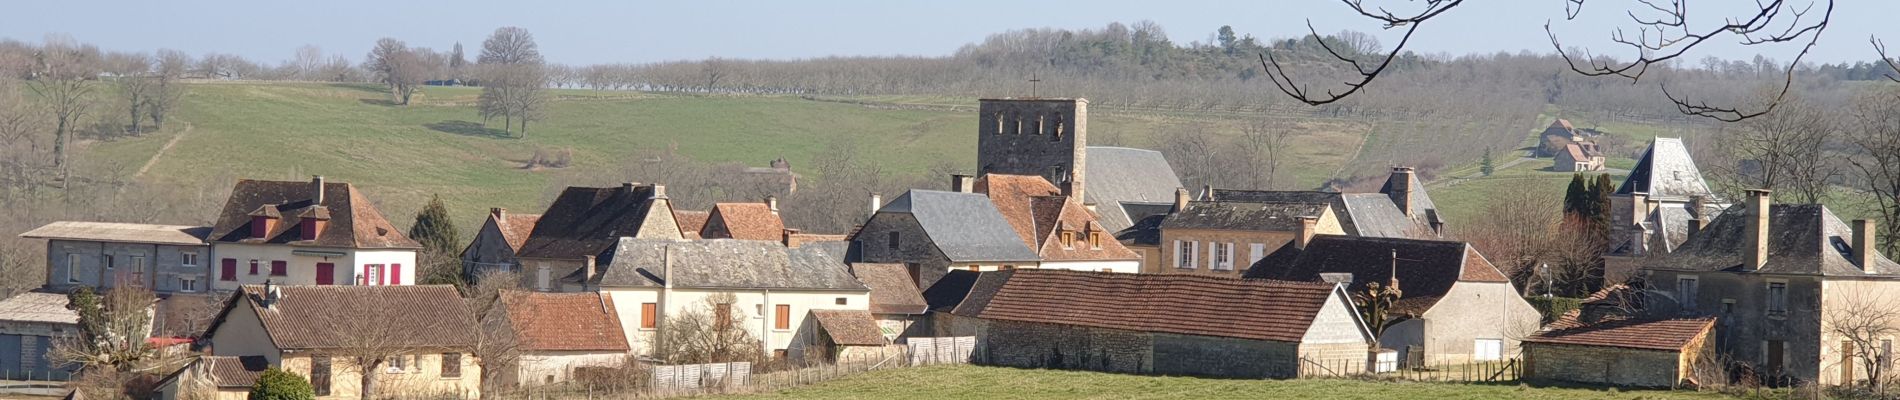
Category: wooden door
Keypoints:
(1774, 356)
(1847, 362)
(326, 273)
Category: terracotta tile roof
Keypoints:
(745, 221)
(850, 327)
(564, 321)
(1172, 303)
(1647, 334)
(691, 222)
(585, 221)
(892, 289)
(516, 228)
(1427, 269)
(354, 221)
(1038, 213)
(318, 317)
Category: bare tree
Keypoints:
(711, 331)
(61, 83)
(397, 66)
(1784, 151)
(1876, 163)
(1862, 320)
(1266, 146)
(168, 87)
(497, 349)
(714, 68)
(1516, 231)
(132, 74)
(112, 330)
(307, 63)
(514, 77)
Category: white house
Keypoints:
(307, 233)
(556, 333)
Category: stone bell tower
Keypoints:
(1046, 137)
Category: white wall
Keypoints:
(1337, 322)
(1477, 310)
(242, 334)
(302, 269)
(1127, 266)
(756, 305)
(537, 366)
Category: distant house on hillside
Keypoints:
(1551, 142)
(1578, 157)
(308, 233)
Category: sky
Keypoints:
(589, 32)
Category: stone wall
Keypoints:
(1040, 137)
(1744, 326)
(1600, 365)
(1056, 346)
(913, 249)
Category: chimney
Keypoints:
(1758, 209)
(271, 294)
(499, 213)
(1653, 205)
(1401, 193)
(771, 202)
(877, 201)
(659, 191)
(1305, 235)
(787, 233)
(1695, 226)
(1180, 199)
(1207, 192)
(1863, 243)
(587, 264)
(1639, 206)
(316, 189)
(962, 183)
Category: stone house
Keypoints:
(772, 286)
(307, 233)
(1623, 352)
(30, 323)
(1039, 136)
(1456, 307)
(932, 232)
(745, 221)
(1559, 133)
(497, 242)
(1221, 237)
(213, 377)
(1662, 202)
(1061, 231)
(1778, 277)
(1185, 324)
(585, 222)
(313, 331)
(164, 258)
(1578, 157)
(846, 335)
(555, 333)
(896, 302)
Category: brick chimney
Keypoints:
(499, 213)
(1180, 199)
(1401, 194)
(1863, 243)
(771, 203)
(316, 189)
(1305, 235)
(1757, 234)
(788, 234)
(1639, 206)
(962, 183)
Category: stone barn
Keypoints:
(1156, 324)
(1624, 352)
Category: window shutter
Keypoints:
(1230, 256)
(1213, 255)
(648, 317)
(395, 274)
(1177, 254)
(784, 314)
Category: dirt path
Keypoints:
(162, 150)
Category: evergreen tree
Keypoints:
(434, 229)
(1485, 165)
(1575, 197)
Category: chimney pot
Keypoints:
(1759, 203)
(771, 202)
(316, 189)
(1864, 243)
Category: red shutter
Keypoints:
(229, 272)
(279, 267)
(395, 274)
(363, 280)
(326, 274)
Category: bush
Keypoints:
(1553, 307)
(275, 384)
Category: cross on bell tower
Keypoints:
(1033, 80)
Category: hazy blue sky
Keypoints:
(627, 31)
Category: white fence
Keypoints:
(696, 376)
(943, 350)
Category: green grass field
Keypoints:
(972, 382)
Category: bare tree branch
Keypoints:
(1881, 49)
(1277, 72)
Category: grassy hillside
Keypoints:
(970, 382)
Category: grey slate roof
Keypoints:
(585, 221)
(1243, 216)
(725, 263)
(1347, 221)
(1375, 215)
(1120, 176)
(1803, 239)
(1667, 172)
(965, 226)
(1424, 211)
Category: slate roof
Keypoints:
(1427, 269)
(354, 222)
(180, 235)
(691, 222)
(1666, 171)
(892, 289)
(1120, 178)
(726, 263)
(850, 327)
(966, 227)
(1803, 239)
(1359, 214)
(1145, 232)
(585, 221)
(1424, 211)
(1170, 303)
(950, 290)
(1244, 216)
(564, 321)
(748, 221)
(40, 307)
(322, 317)
(1038, 212)
(1632, 333)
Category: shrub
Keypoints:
(275, 384)
(1553, 307)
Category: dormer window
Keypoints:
(264, 221)
(1095, 239)
(1068, 239)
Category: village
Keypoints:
(1048, 253)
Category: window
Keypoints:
(228, 271)
(783, 315)
(1728, 306)
(72, 268)
(1255, 252)
(542, 278)
(999, 123)
(1777, 297)
(1686, 292)
(396, 364)
(451, 365)
(649, 315)
(1487, 350)
(278, 268)
(1095, 240)
(1039, 125)
(320, 374)
(1057, 128)
(187, 284)
(893, 242)
(138, 263)
(253, 267)
(1223, 255)
(189, 258)
(372, 274)
(1184, 252)
(841, 301)
(1068, 239)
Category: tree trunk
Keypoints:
(369, 379)
(59, 144)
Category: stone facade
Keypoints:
(1745, 329)
(1247, 247)
(159, 267)
(1600, 365)
(926, 263)
(1044, 137)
